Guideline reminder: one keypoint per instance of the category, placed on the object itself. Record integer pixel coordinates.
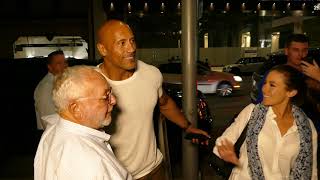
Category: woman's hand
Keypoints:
(227, 153)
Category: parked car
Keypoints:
(273, 60)
(246, 65)
(207, 81)
(205, 122)
(204, 116)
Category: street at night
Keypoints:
(224, 108)
(137, 90)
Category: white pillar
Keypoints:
(275, 42)
(298, 25)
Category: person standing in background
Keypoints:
(56, 63)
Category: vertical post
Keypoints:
(298, 25)
(189, 56)
(96, 17)
(297, 17)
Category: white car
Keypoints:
(207, 81)
(245, 65)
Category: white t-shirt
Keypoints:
(70, 151)
(134, 141)
(43, 100)
(277, 153)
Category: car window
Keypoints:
(272, 60)
(241, 61)
(261, 59)
(202, 70)
(250, 60)
(315, 54)
(171, 68)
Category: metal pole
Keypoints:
(189, 56)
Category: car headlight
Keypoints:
(237, 78)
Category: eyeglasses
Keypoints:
(107, 98)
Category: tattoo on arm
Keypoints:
(163, 100)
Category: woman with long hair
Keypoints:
(281, 141)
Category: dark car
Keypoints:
(273, 60)
(174, 133)
(204, 116)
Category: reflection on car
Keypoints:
(174, 133)
(245, 65)
(207, 81)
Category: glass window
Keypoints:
(41, 46)
(225, 34)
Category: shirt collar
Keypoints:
(113, 82)
(82, 130)
(50, 74)
(271, 115)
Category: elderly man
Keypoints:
(43, 103)
(75, 147)
(138, 88)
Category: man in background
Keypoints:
(296, 50)
(56, 63)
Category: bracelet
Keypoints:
(188, 125)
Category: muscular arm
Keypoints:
(171, 111)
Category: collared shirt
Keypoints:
(43, 99)
(277, 153)
(71, 151)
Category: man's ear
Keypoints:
(286, 51)
(292, 93)
(49, 68)
(102, 50)
(74, 109)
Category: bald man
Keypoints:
(138, 88)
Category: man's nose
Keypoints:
(301, 54)
(131, 47)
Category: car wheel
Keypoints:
(224, 89)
